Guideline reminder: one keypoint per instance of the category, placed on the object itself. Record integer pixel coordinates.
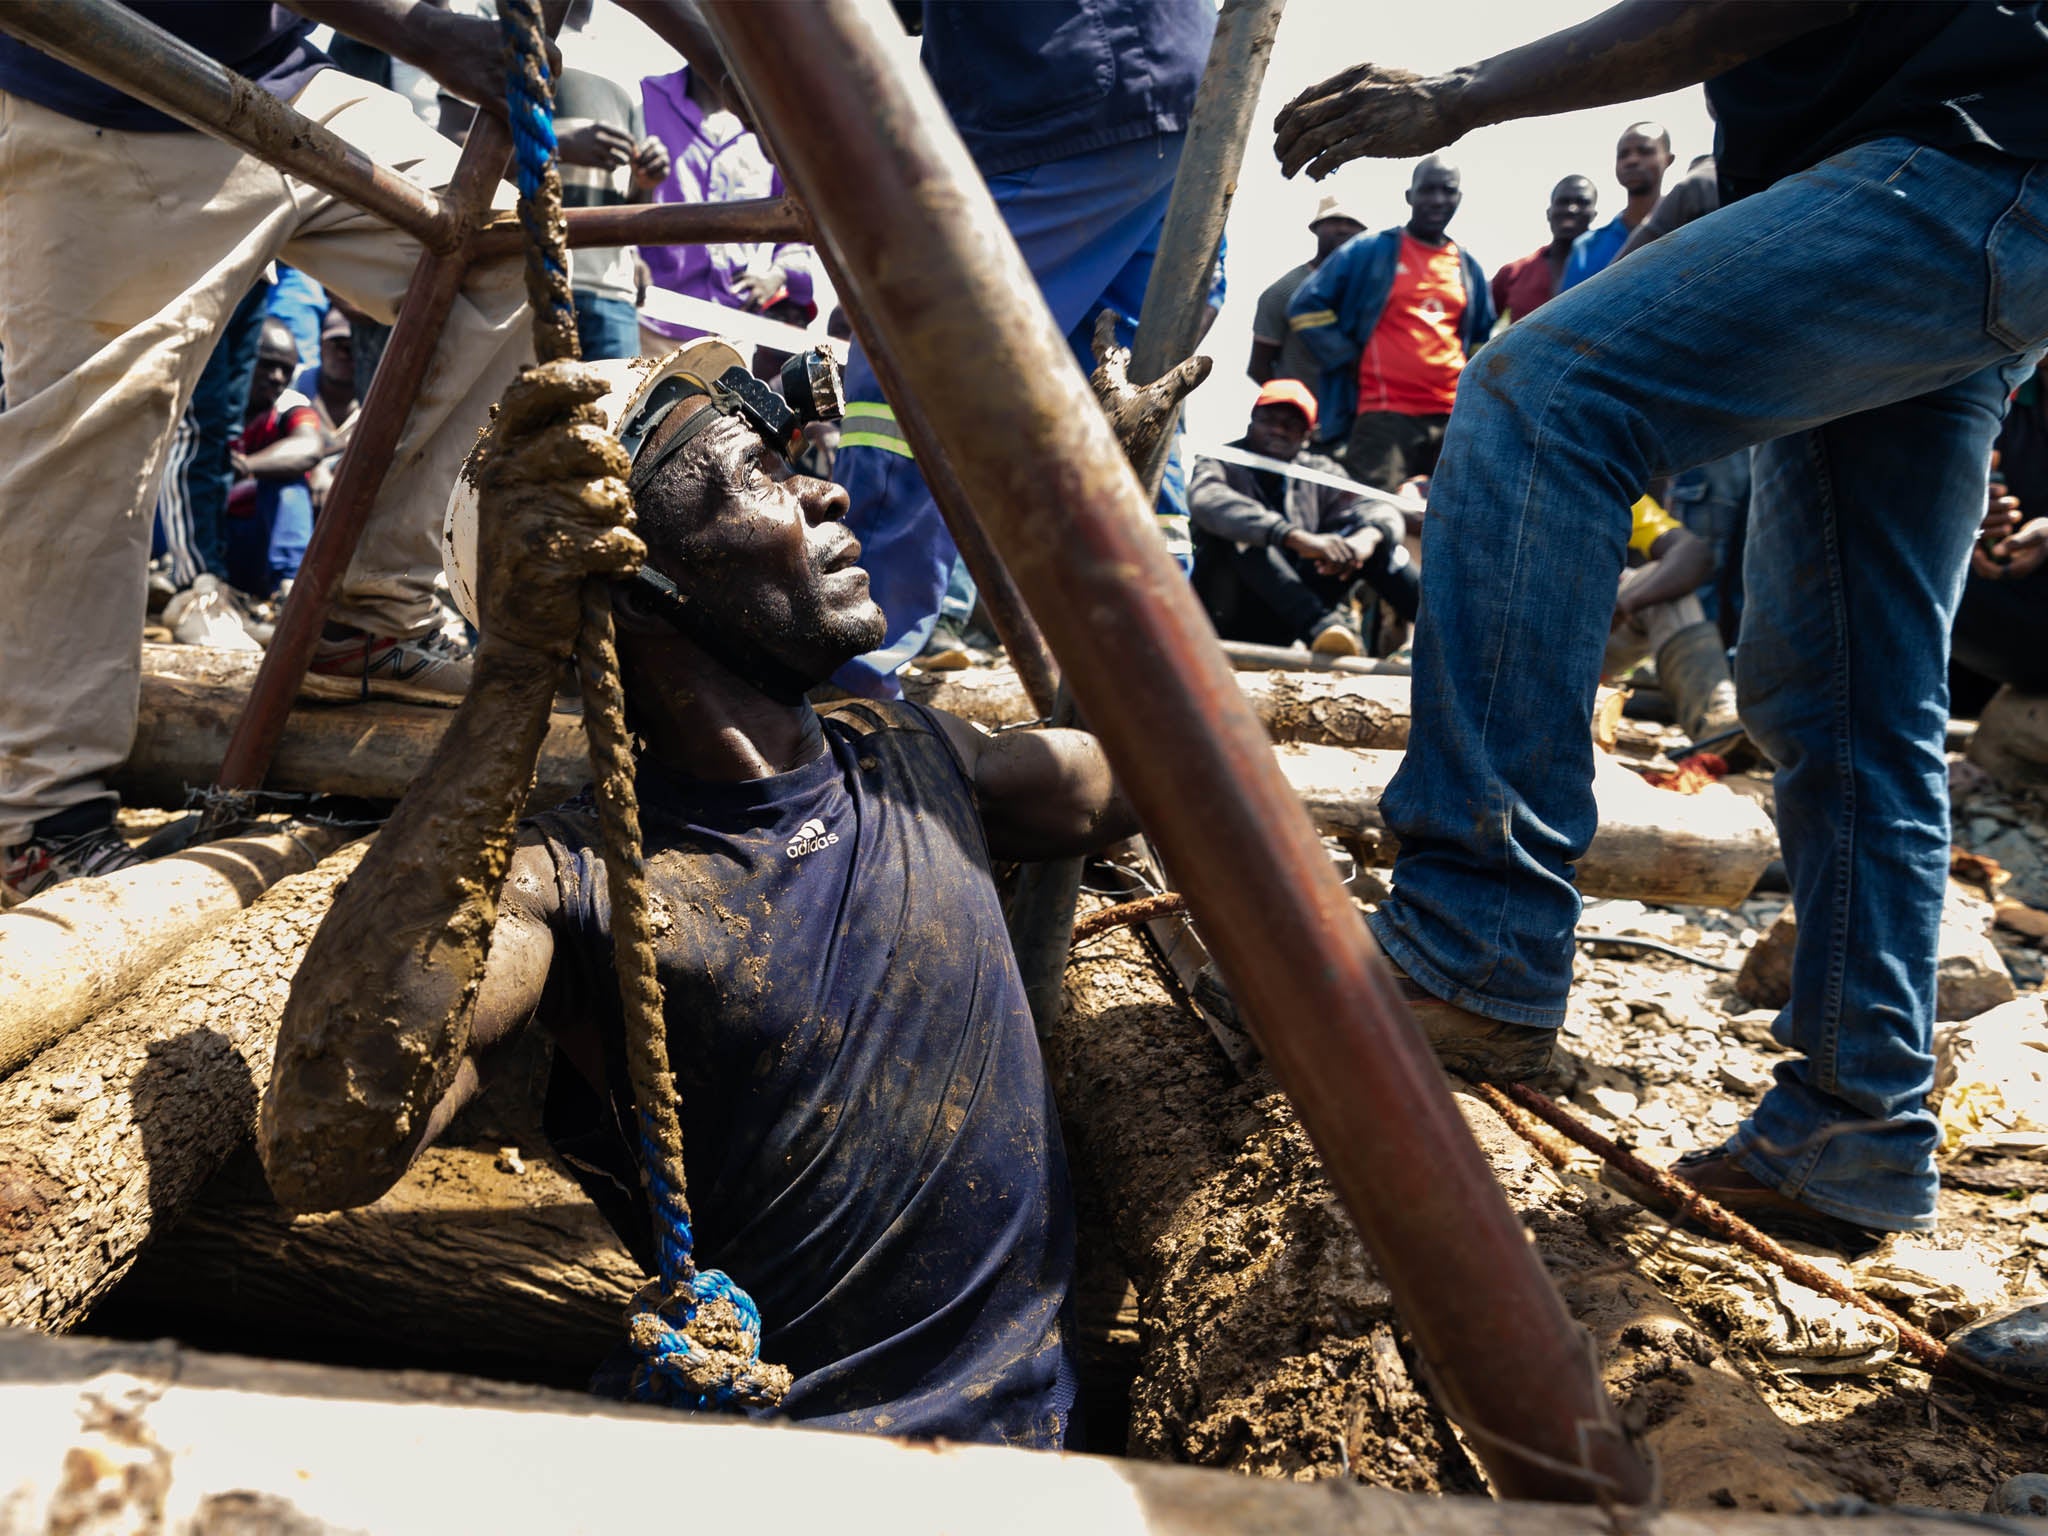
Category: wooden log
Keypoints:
(1270, 1344)
(1703, 849)
(109, 1134)
(107, 1436)
(1327, 708)
(474, 1258)
(81, 946)
(1247, 657)
(191, 698)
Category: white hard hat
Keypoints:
(633, 380)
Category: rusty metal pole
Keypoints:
(759, 218)
(116, 46)
(1177, 295)
(870, 150)
(428, 298)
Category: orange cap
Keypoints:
(1288, 392)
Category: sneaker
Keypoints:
(206, 614)
(50, 856)
(427, 670)
(1336, 635)
(1716, 1175)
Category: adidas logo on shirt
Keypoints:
(810, 837)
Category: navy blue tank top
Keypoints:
(870, 1142)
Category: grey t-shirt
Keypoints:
(1269, 324)
(581, 97)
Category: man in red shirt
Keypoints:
(1521, 287)
(270, 509)
(1393, 320)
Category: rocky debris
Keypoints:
(1973, 975)
(2011, 741)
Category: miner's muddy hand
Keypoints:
(552, 508)
(1139, 415)
(1368, 110)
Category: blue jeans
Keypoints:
(605, 327)
(1863, 322)
(265, 548)
(1088, 226)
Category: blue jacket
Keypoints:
(1336, 311)
(1029, 81)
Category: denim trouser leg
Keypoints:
(1843, 672)
(1729, 332)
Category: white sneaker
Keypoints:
(204, 614)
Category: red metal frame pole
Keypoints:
(867, 145)
(115, 45)
(428, 297)
(759, 218)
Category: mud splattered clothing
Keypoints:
(871, 1145)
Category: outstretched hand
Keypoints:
(1374, 110)
(552, 507)
(1140, 415)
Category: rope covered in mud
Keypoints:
(1693, 1206)
(697, 1333)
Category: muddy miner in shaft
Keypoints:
(871, 1147)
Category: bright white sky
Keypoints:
(1508, 170)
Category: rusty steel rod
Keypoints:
(757, 218)
(117, 47)
(890, 187)
(436, 280)
(1177, 293)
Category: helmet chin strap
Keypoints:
(783, 684)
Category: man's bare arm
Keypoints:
(461, 52)
(1636, 49)
(380, 1019)
(1043, 794)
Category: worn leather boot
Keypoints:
(1716, 1175)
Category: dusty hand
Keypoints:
(1332, 556)
(1369, 109)
(2017, 554)
(650, 164)
(553, 508)
(757, 290)
(1139, 414)
(596, 144)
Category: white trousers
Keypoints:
(121, 257)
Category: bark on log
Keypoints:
(1704, 849)
(109, 1436)
(464, 1261)
(81, 946)
(191, 698)
(109, 1134)
(1320, 707)
(1270, 1345)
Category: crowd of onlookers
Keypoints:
(1358, 352)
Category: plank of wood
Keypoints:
(107, 1436)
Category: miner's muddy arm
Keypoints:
(376, 1040)
(1637, 49)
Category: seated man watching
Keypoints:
(1277, 558)
(270, 509)
(1658, 616)
(872, 1148)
